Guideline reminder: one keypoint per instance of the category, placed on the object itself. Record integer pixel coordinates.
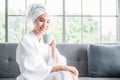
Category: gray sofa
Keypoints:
(76, 55)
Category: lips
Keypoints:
(42, 28)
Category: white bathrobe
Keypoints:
(35, 60)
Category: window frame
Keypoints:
(64, 21)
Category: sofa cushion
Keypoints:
(8, 65)
(104, 60)
(76, 55)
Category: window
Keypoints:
(73, 21)
(2, 20)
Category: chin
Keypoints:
(42, 32)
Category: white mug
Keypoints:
(47, 38)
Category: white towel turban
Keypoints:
(34, 11)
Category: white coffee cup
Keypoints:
(47, 38)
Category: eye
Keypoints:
(48, 21)
(41, 20)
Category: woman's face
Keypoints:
(42, 23)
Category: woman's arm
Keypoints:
(61, 67)
(65, 68)
(53, 47)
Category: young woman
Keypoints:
(37, 60)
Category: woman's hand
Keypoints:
(72, 69)
(53, 44)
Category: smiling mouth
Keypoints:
(42, 29)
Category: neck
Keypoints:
(38, 35)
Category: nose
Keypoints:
(44, 24)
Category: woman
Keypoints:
(37, 60)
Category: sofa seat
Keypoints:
(7, 78)
(98, 78)
(76, 55)
(80, 78)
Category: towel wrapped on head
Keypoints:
(34, 11)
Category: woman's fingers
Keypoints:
(53, 43)
(74, 70)
(74, 77)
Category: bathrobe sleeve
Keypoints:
(61, 59)
(32, 66)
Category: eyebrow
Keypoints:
(43, 18)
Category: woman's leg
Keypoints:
(74, 77)
(62, 75)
